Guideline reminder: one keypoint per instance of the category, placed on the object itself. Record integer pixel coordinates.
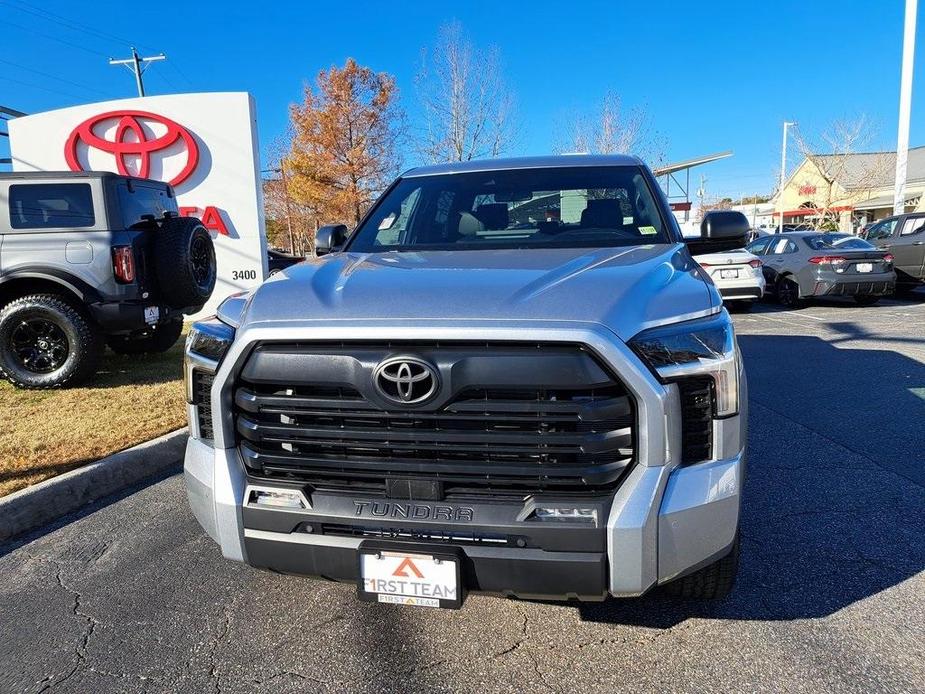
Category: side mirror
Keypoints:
(330, 238)
(720, 230)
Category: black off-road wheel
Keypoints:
(712, 582)
(47, 342)
(155, 340)
(184, 258)
(788, 292)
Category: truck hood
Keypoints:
(624, 289)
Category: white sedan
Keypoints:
(737, 275)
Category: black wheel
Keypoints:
(46, 342)
(184, 258)
(709, 583)
(866, 299)
(788, 292)
(157, 339)
(906, 290)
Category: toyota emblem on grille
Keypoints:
(406, 380)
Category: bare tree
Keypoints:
(468, 108)
(612, 129)
(838, 171)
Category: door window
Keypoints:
(51, 205)
(758, 246)
(882, 230)
(780, 246)
(913, 225)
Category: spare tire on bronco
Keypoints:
(184, 261)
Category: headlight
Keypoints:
(209, 338)
(702, 347)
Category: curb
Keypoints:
(34, 506)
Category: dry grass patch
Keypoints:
(131, 400)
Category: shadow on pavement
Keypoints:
(834, 503)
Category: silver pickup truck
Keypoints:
(511, 378)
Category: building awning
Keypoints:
(884, 202)
(811, 211)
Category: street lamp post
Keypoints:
(783, 176)
(905, 108)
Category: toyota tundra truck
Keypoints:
(510, 378)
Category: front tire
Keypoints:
(46, 342)
(712, 582)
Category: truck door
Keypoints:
(908, 246)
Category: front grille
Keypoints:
(202, 399)
(696, 419)
(511, 418)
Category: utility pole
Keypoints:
(138, 66)
(783, 176)
(905, 108)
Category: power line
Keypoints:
(54, 77)
(45, 89)
(72, 24)
(52, 38)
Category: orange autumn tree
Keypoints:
(345, 144)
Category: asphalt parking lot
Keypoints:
(131, 596)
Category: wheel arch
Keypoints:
(23, 282)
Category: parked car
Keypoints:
(456, 398)
(737, 274)
(904, 237)
(278, 261)
(801, 264)
(88, 259)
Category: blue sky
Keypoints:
(712, 75)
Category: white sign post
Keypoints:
(204, 144)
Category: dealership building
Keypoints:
(852, 189)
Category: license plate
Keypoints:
(409, 578)
(152, 314)
(864, 267)
(729, 274)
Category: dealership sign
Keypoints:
(204, 145)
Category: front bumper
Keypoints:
(662, 523)
(664, 520)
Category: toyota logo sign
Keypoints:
(406, 380)
(132, 139)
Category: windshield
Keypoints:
(825, 242)
(524, 208)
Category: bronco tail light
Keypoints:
(755, 263)
(123, 264)
(827, 260)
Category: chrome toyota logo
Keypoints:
(406, 380)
